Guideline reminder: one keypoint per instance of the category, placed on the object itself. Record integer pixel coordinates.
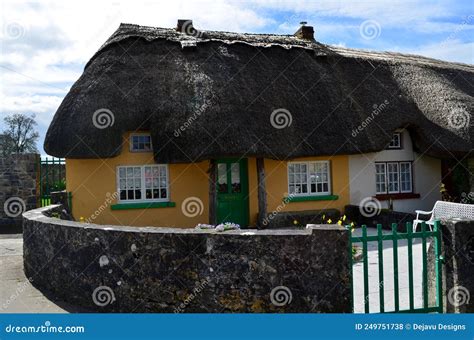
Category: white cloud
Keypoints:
(450, 50)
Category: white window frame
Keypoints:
(142, 182)
(411, 177)
(385, 178)
(399, 146)
(399, 166)
(398, 178)
(308, 181)
(138, 134)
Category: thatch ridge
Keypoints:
(226, 85)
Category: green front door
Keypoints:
(232, 191)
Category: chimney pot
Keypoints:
(305, 32)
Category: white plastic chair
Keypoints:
(445, 210)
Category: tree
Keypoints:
(20, 136)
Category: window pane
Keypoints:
(405, 177)
(326, 187)
(235, 177)
(222, 177)
(392, 170)
(141, 143)
(138, 183)
(380, 178)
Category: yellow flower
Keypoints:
(352, 230)
(324, 217)
(352, 224)
(339, 222)
(295, 222)
(344, 217)
(329, 221)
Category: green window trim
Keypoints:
(290, 199)
(142, 205)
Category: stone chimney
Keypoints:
(305, 32)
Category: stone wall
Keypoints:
(18, 175)
(149, 269)
(458, 267)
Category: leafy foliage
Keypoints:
(20, 135)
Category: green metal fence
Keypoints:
(52, 177)
(395, 237)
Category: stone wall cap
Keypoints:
(39, 215)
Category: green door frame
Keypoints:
(233, 206)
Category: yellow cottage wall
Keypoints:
(92, 181)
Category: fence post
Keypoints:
(395, 266)
(410, 264)
(366, 268)
(380, 253)
(425, 265)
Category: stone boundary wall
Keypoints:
(150, 269)
(18, 185)
(458, 267)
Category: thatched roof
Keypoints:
(221, 88)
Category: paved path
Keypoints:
(17, 295)
(388, 275)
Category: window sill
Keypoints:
(142, 205)
(401, 196)
(310, 198)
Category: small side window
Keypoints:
(140, 143)
(396, 142)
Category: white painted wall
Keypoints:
(426, 176)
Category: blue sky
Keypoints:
(45, 44)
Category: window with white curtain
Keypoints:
(143, 183)
(309, 178)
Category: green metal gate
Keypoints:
(395, 237)
(52, 177)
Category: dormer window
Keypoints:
(396, 142)
(140, 142)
